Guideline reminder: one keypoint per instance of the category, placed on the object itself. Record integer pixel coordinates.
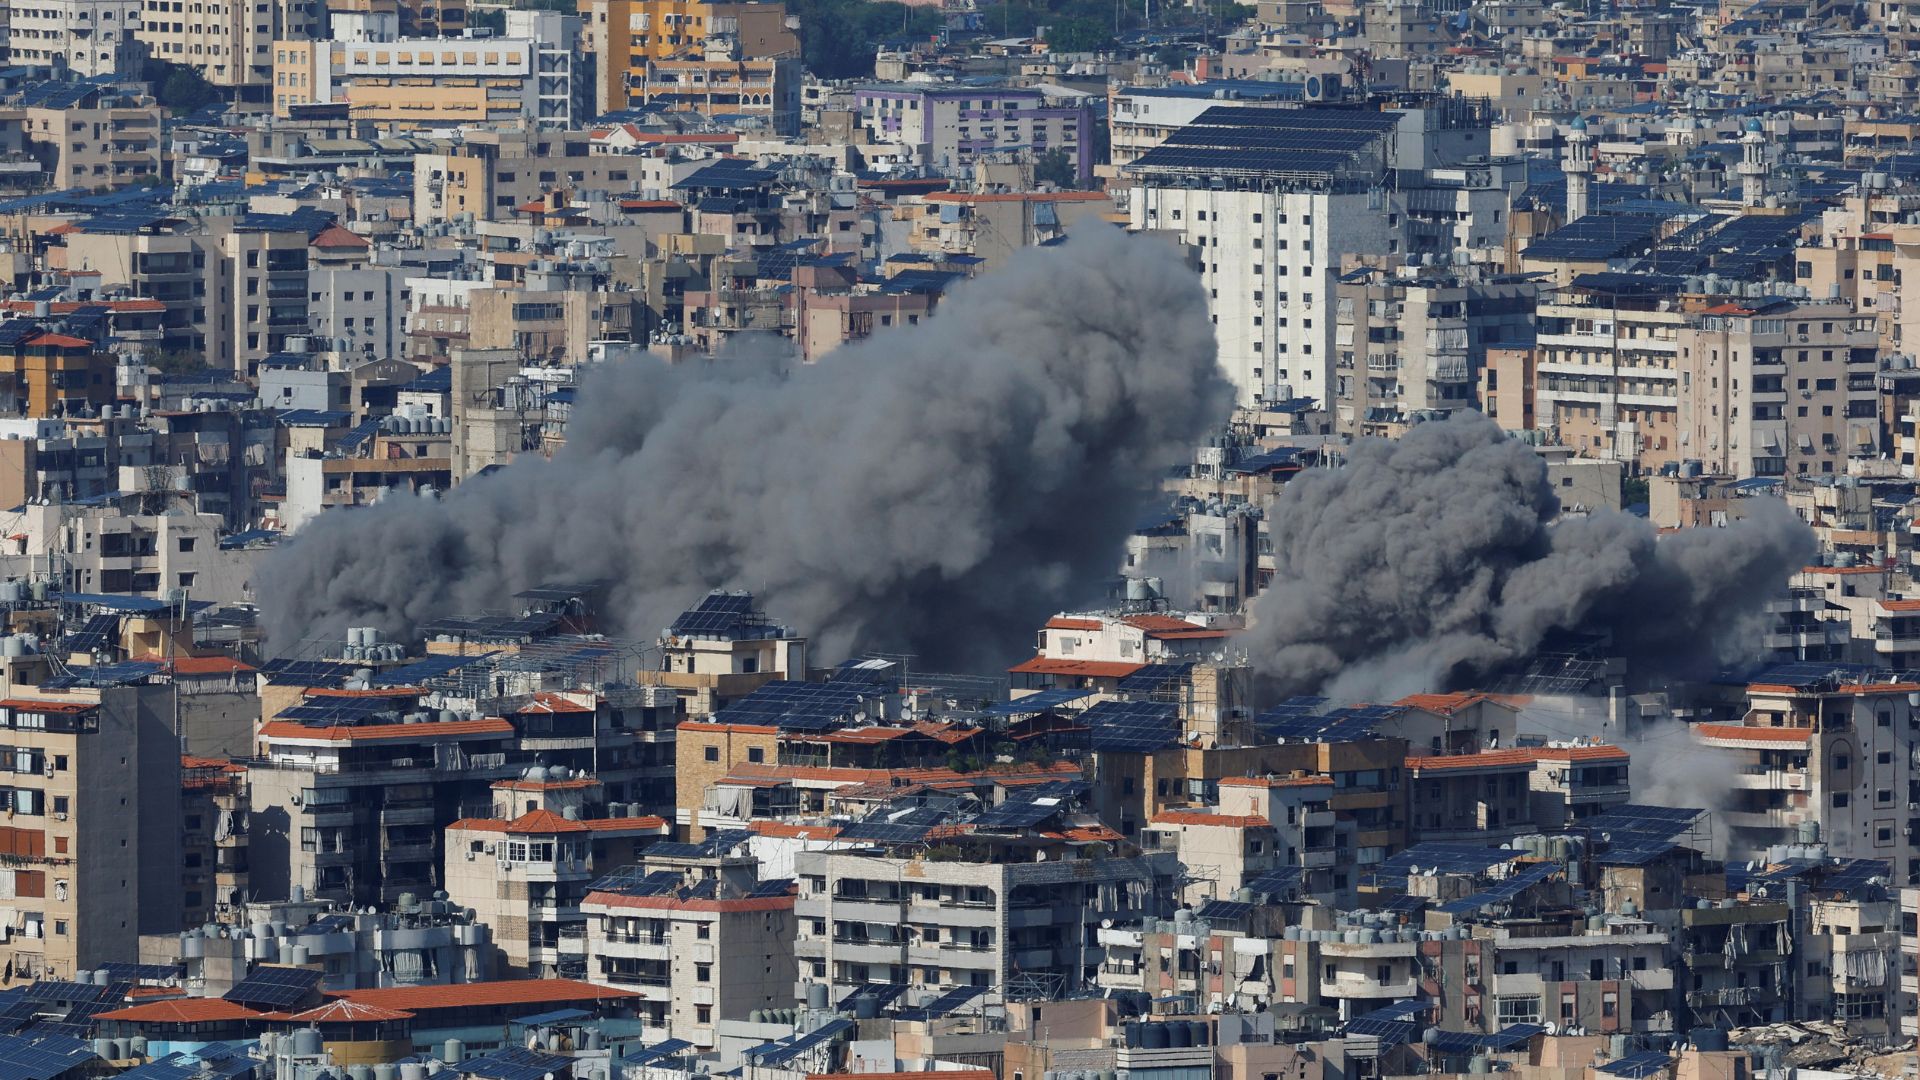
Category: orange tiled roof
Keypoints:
(1061, 623)
(1444, 704)
(1485, 759)
(1096, 669)
(549, 702)
(336, 238)
(1782, 736)
(60, 341)
(208, 665)
(439, 729)
(38, 705)
(484, 994)
(795, 832)
(349, 1012)
(181, 1011)
(1202, 817)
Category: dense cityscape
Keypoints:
(959, 540)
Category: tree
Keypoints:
(839, 37)
(179, 361)
(494, 19)
(181, 88)
(1056, 168)
(1078, 34)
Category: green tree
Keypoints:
(179, 87)
(1077, 34)
(494, 19)
(1056, 168)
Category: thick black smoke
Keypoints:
(938, 488)
(1427, 563)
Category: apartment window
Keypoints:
(703, 931)
(756, 755)
(186, 544)
(703, 972)
(703, 1014)
(1840, 800)
(712, 753)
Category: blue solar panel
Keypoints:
(1505, 892)
(431, 667)
(786, 1050)
(1038, 702)
(1154, 678)
(1444, 857)
(514, 1063)
(1017, 814)
(1635, 1066)
(1340, 725)
(1224, 910)
(1393, 1025)
(799, 706)
(41, 1057)
(271, 988)
(657, 1052)
(1281, 881)
(944, 1005)
(1132, 726)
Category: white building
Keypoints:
(88, 37)
(361, 312)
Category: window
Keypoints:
(1840, 800)
(703, 972)
(703, 1014)
(713, 753)
(703, 931)
(756, 754)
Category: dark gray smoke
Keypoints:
(939, 488)
(1427, 563)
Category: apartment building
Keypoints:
(533, 74)
(165, 263)
(1824, 760)
(213, 824)
(230, 43)
(92, 835)
(697, 952)
(722, 82)
(1608, 369)
(623, 35)
(525, 870)
(262, 297)
(85, 37)
(1779, 389)
(490, 174)
(52, 374)
(932, 924)
(89, 135)
(953, 126)
(1415, 340)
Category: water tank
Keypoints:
(192, 945)
(1709, 1038)
(137, 1046)
(1153, 1037)
(454, 1052)
(104, 1048)
(10, 646)
(386, 1070)
(306, 1041)
(1354, 937)
(1617, 1047)
(1132, 1034)
(1179, 1035)
(359, 1072)
(298, 955)
(1809, 832)
(1198, 1034)
(593, 1038)
(1291, 933)
(1183, 920)
(413, 1070)
(865, 1007)
(1477, 1064)
(816, 995)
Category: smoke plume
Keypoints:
(1429, 562)
(938, 488)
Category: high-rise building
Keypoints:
(86, 37)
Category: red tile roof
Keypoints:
(554, 703)
(484, 994)
(1202, 817)
(181, 1011)
(60, 341)
(349, 1012)
(440, 729)
(1740, 733)
(1444, 704)
(1486, 759)
(208, 665)
(37, 705)
(338, 239)
(1061, 623)
(1096, 669)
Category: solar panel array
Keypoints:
(786, 1050)
(638, 881)
(708, 846)
(798, 706)
(719, 614)
(312, 673)
(432, 667)
(1511, 1037)
(771, 887)
(495, 627)
(1132, 726)
(1224, 910)
(276, 988)
(1505, 892)
(140, 972)
(1281, 881)
(1635, 824)
(1635, 1066)
(944, 1005)
(1444, 857)
(1018, 814)
(1340, 725)
(1595, 238)
(42, 1057)
(126, 673)
(658, 1052)
(97, 633)
(1155, 678)
(882, 994)
(514, 1063)
(334, 711)
(1394, 1025)
(1039, 702)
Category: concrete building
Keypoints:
(698, 953)
(85, 37)
(936, 925)
(624, 35)
(1608, 371)
(88, 135)
(230, 44)
(1778, 389)
(952, 127)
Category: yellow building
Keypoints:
(626, 34)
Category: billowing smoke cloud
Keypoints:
(939, 488)
(1429, 562)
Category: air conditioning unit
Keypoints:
(60, 816)
(49, 770)
(469, 856)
